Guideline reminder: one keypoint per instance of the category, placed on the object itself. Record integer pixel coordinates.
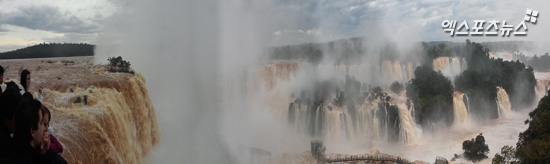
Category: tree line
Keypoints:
(49, 50)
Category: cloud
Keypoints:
(6, 48)
(70, 38)
(292, 37)
(410, 21)
(3, 29)
(47, 18)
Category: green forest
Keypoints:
(50, 50)
(484, 74)
(533, 145)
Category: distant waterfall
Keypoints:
(460, 108)
(450, 67)
(370, 120)
(407, 125)
(395, 71)
(503, 102)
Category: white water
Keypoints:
(450, 67)
(460, 109)
(394, 71)
(447, 142)
(413, 143)
(335, 125)
(407, 126)
(187, 50)
(503, 102)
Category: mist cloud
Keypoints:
(47, 18)
(189, 51)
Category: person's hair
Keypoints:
(26, 118)
(9, 101)
(23, 80)
(46, 111)
(1, 70)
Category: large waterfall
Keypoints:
(503, 102)
(450, 66)
(383, 118)
(114, 119)
(407, 126)
(543, 84)
(395, 71)
(460, 108)
(376, 116)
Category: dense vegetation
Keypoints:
(341, 52)
(475, 149)
(117, 64)
(484, 74)
(507, 155)
(50, 50)
(538, 63)
(345, 51)
(534, 143)
(481, 92)
(432, 94)
(396, 87)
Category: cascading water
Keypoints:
(450, 67)
(375, 117)
(503, 102)
(393, 71)
(407, 125)
(380, 118)
(410, 71)
(460, 108)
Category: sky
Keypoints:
(29, 22)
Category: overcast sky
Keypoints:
(29, 22)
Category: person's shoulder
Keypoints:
(53, 157)
(7, 160)
(17, 158)
(21, 89)
(3, 86)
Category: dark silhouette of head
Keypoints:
(28, 124)
(1, 74)
(47, 115)
(10, 100)
(25, 79)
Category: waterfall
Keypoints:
(359, 120)
(392, 70)
(467, 103)
(503, 102)
(460, 109)
(464, 64)
(395, 71)
(410, 71)
(455, 66)
(441, 63)
(378, 119)
(542, 87)
(338, 125)
(367, 124)
(450, 67)
(117, 124)
(407, 125)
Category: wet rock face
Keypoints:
(344, 119)
(114, 123)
